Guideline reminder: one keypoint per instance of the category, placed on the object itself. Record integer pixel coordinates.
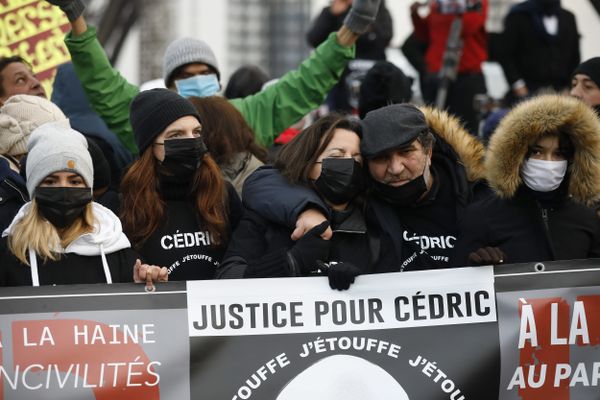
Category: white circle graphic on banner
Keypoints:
(343, 377)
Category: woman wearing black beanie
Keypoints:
(176, 210)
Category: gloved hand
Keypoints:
(307, 250)
(487, 256)
(361, 15)
(341, 274)
(72, 8)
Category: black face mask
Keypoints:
(61, 206)
(341, 180)
(405, 195)
(182, 159)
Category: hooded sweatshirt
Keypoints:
(101, 256)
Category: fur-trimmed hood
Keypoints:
(469, 151)
(530, 120)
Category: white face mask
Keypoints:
(543, 176)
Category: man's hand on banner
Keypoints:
(149, 274)
(487, 256)
(311, 247)
(341, 274)
(361, 15)
(72, 8)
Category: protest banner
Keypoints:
(390, 336)
(94, 342)
(549, 329)
(413, 335)
(34, 30)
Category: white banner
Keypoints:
(303, 305)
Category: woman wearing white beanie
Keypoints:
(61, 236)
(19, 116)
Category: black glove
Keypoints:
(361, 15)
(307, 250)
(72, 8)
(341, 274)
(487, 256)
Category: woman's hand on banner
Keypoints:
(149, 274)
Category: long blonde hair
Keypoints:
(35, 232)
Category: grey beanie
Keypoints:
(391, 127)
(186, 51)
(55, 147)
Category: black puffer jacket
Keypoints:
(525, 225)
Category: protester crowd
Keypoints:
(103, 183)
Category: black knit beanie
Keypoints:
(590, 68)
(153, 110)
(384, 84)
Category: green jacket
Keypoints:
(268, 112)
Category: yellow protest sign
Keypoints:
(34, 30)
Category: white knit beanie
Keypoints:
(186, 51)
(13, 141)
(19, 116)
(56, 147)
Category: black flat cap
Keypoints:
(391, 127)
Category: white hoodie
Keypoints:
(107, 237)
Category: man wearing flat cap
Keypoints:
(424, 169)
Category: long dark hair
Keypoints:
(296, 158)
(143, 209)
(225, 131)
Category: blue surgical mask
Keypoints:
(198, 85)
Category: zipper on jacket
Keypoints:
(9, 183)
(545, 219)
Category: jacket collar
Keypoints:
(351, 220)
